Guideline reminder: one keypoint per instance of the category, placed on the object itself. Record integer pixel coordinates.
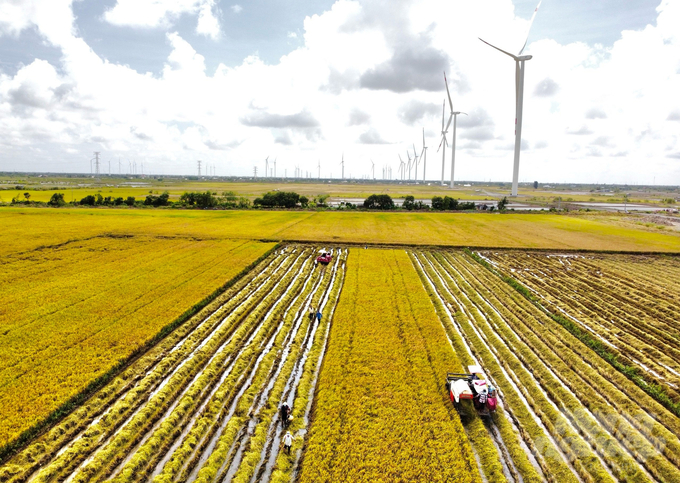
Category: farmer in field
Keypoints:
(285, 414)
(311, 313)
(287, 441)
(318, 314)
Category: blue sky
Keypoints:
(232, 82)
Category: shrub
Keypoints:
(162, 200)
(130, 201)
(380, 202)
(283, 199)
(57, 199)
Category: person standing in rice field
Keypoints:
(288, 441)
(318, 314)
(311, 312)
(285, 413)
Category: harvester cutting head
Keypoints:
(472, 386)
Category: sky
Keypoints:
(157, 85)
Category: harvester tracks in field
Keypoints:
(204, 404)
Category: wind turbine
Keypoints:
(275, 167)
(444, 142)
(455, 118)
(342, 163)
(373, 168)
(319, 167)
(408, 155)
(519, 97)
(416, 161)
(423, 156)
(266, 167)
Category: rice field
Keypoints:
(583, 348)
(29, 228)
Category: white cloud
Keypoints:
(236, 8)
(336, 92)
(164, 13)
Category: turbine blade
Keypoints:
(447, 92)
(441, 142)
(423, 137)
(443, 106)
(531, 22)
(448, 123)
(500, 50)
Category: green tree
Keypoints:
(130, 201)
(409, 203)
(380, 202)
(503, 203)
(57, 199)
(27, 195)
(535, 184)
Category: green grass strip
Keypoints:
(633, 373)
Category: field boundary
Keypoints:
(9, 449)
(656, 391)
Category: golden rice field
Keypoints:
(69, 313)
(28, 228)
(582, 347)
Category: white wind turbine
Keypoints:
(408, 155)
(373, 168)
(266, 167)
(402, 167)
(444, 142)
(455, 118)
(343, 165)
(416, 161)
(519, 97)
(319, 168)
(423, 156)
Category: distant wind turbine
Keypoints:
(416, 161)
(266, 167)
(444, 142)
(519, 97)
(423, 156)
(455, 118)
(373, 168)
(342, 163)
(319, 168)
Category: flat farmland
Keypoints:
(28, 228)
(584, 349)
(70, 312)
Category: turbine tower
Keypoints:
(519, 97)
(423, 156)
(319, 168)
(444, 142)
(455, 118)
(373, 168)
(266, 167)
(416, 161)
(342, 163)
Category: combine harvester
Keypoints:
(325, 258)
(472, 386)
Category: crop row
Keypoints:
(625, 315)
(179, 412)
(596, 421)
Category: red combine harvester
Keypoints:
(325, 258)
(472, 386)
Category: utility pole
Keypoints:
(199, 167)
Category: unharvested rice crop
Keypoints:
(27, 228)
(380, 414)
(70, 312)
